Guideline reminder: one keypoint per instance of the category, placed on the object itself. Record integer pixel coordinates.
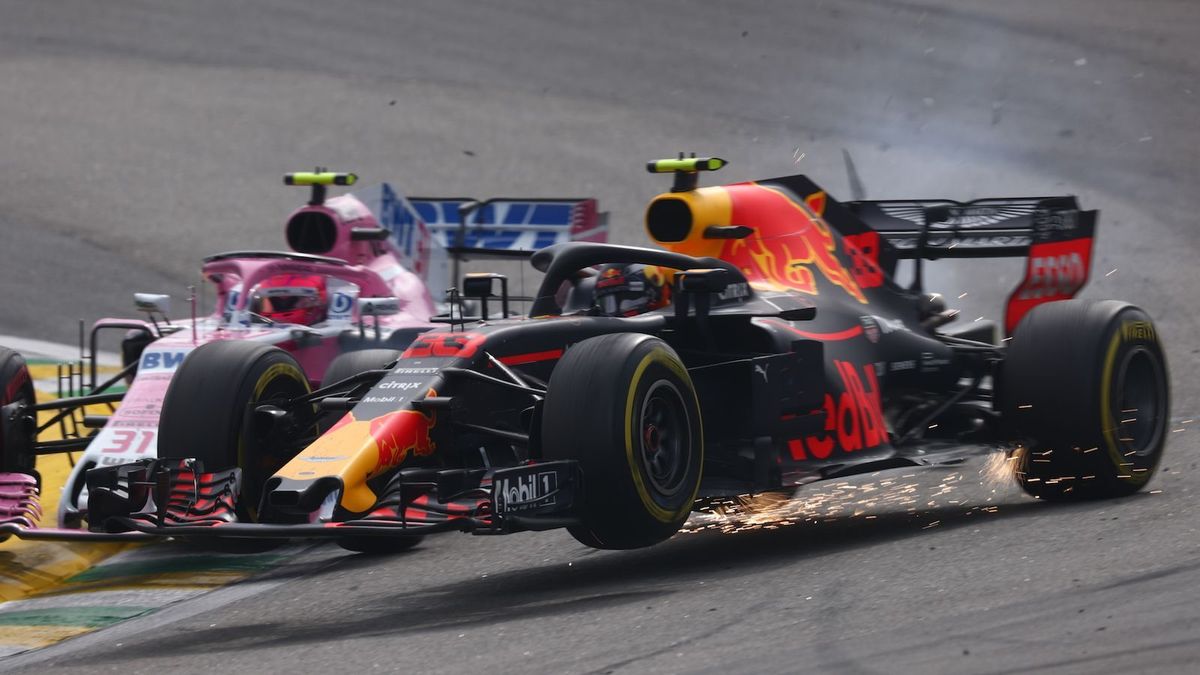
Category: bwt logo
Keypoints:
(161, 360)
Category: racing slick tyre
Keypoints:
(207, 413)
(353, 363)
(17, 435)
(624, 407)
(1085, 384)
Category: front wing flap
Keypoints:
(20, 511)
(178, 498)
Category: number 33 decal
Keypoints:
(444, 345)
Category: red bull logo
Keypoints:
(397, 434)
(789, 239)
(373, 446)
(610, 276)
(854, 418)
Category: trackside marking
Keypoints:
(85, 617)
(137, 582)
(311, 558)
(57, 351)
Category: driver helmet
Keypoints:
(291, 298)
(630, 289)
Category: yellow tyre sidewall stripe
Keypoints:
(660, 357)
(269, 375)
(1108, 425)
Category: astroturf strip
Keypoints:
(88, 617)
(190, 563)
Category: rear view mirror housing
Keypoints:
(387, 306)
(703, 280)
(482, 285)
(152, 302)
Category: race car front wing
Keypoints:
(20, 510)
(179, 498)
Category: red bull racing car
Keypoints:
(765, 345)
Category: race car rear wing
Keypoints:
(447, 230)
(505, 227)
(1052, 233)
(984, 228)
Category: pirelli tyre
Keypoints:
(208, 413)
(624, 407)
(344, 366)
(1085, 386)
(17, 432)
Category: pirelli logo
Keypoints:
(1138, 331)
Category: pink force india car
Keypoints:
(358, 284)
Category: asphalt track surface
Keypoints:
(138, 136)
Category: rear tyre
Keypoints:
(1085, 384)
(207, 413)
(624, 407)
(17, 435)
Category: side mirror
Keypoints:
(482, 285)
(703, 280)
(152, 302)
(378, 306)
(696, 287)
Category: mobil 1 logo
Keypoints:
(518, 490)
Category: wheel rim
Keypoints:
(9, 456)
(665, 438)
(1139, 402)
(271, 455)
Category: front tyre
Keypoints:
(16, 434)
(1085, 384)
(208, 413)
(624, 407)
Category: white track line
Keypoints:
(58, 351)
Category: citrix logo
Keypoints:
(403, 386)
